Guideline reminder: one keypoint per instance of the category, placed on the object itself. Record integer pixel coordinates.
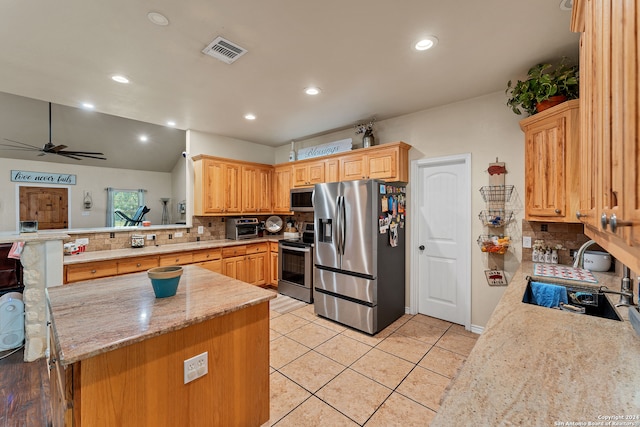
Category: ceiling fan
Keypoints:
(50, 148)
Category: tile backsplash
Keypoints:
(570, 236)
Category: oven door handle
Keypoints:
(295, 248)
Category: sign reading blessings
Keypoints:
(325, 149)
(43, 177)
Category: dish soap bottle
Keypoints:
(292, 153)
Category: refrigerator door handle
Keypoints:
(338, 227)
(343, 224)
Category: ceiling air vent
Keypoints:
(224, 50)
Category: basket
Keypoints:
(494, 244)
(495, 217)
(496, 193)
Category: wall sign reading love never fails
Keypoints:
(43, 177)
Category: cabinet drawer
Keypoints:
(90, 270)
(215, 265)
(234, 251)
(256, 248)
(137, 264)
(207, 255)
(273, 247)
(179, 258)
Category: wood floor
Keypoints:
(24, 392)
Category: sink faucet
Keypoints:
(625, 292)
(579, 259)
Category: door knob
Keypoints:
(421, 247)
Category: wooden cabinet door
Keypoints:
(234, 267)
(273, 268)
(631, 90)
(215, 265)
(232, 188)
(61, 388)
(282, 181)
(382, 164)
(257, 269)
(332, 170)
(544, 169)
(249, 189)
(316, 173)
(90, 270)
(352, 167)
(300, 175)
(213, 197)
(264, 198)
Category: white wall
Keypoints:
(91, 179)
(482, 126)
(230, 148)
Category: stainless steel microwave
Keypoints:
(301, 199)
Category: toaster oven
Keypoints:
(242, 228)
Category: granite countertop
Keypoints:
(12, 236)
(539, 366)
(162, 249)
(96, 316)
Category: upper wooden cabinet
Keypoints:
(389, 162)
(223, 187)
(306, 174)
(282, 183)
(551, 162)
(610, 193)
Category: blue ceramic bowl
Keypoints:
(165, 280)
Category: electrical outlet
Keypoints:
(200, 229)
(526, 241)
(178, 234)
(151, 237)
(196, 367)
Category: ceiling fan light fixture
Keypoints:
(426, 43)
(143, 138)
(120, 78)
(250, 116)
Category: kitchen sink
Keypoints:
(587, 301)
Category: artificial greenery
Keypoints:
(543, 82)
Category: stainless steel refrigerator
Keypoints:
(359, 254)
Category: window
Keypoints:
(126, 201)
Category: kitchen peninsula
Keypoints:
(119, 352)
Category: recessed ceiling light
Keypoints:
(426, 43)
(119, 78)
(171, 123)
(312, 90)
(158, 18)
(88, 105)
(144, 138)
(249, 116)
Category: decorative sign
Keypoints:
(325, 149)
(496, 277)
(43, 177)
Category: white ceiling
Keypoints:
(358, 51)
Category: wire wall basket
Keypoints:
(496, 193)
(495, 217)
(494, 244)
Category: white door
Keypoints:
(442, 243)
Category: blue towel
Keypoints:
(548, 295)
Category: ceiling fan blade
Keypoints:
(13, 147)
(71, 156)
(22, 143)
(88, 155)
(55, 149)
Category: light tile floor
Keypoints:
(324, 374)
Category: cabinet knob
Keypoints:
(580, 215)
(421, 247)
(557, 211)
(604, 221)
(93, 271)
(613, 221)
(138, 265)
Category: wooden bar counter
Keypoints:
(118, 352)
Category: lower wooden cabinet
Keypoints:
(273, 264)
(90, 270)
(248, 263)
(60, 388)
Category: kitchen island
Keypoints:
(119, 352)
(536, 366)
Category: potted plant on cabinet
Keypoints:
(546, 85)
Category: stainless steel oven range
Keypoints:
(295, 266)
